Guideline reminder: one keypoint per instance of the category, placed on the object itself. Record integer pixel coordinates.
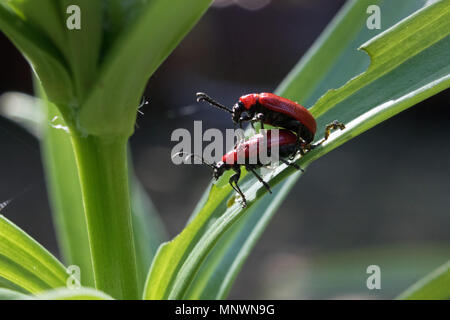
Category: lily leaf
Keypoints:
(26, 263)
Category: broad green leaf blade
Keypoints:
(392, 49)
(26, 263)
(7, 294)
(6, 284)
(359, 115)
(131, 60)
(334, 59)
(73, 294)
(435, 286)
(346, 28)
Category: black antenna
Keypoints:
(203, 96)
(193, 155)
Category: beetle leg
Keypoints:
(328, 128)
(300, 145)
(235, 178)
(252, 170)
(260, 118)
(333, 126)
(292, 164)
(301, 150)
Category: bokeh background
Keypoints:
(382, 198)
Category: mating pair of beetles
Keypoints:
(298, 130)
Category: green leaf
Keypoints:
(223, 263)
(395, 49)
(73, 294)
(6, 284)
(7, 294)
(435, 286)
(132, 58)
(419, 71)
(25, 262)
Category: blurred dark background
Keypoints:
(389, 206)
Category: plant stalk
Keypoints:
(102, 166)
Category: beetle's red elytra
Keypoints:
(252, 149)
(282, 105)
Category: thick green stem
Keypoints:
(102, 165)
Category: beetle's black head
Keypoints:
(219, 169)
(238, 108)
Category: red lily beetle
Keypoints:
(270, 109)
(278, 112)
(287, 146)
